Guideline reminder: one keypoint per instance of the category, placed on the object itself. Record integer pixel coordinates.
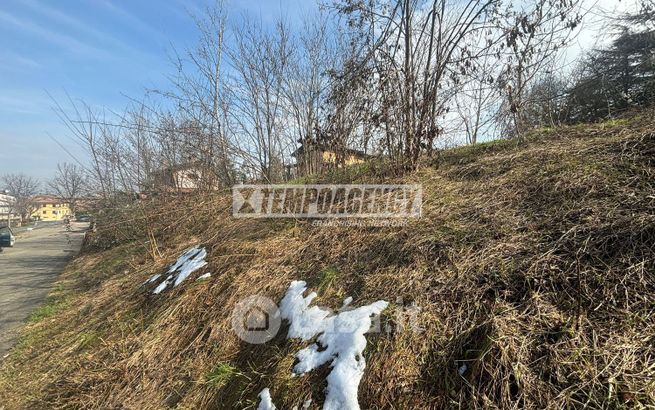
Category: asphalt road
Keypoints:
(28, 270)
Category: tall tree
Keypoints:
(313, 54)
(201, 99)
(418, 51)
(261, 57)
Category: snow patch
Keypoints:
(305, 405)
(341, 342)
(205, 276)
(153, 278)
(305, 322)
(191, 260)
(266, 402)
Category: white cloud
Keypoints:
(71, 22)
(10, 59)
(134, 21)
(64, 41)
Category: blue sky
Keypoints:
(101, 51)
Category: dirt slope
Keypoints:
(533, 267)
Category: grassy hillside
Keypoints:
(533, 265)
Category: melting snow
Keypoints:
(205, 276)
(266, 403)
(340, 341)
(306, 322)
(305, 405)
(152, 278)
(191, 260)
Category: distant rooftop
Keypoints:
(47, 199)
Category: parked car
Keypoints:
(7, 238)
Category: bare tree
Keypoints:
(199, 92)
(478, 99)
(260, 58)
(418, 52)
(92, 133)
(546, 100)
(305, 86)
(69, 184)
(534, 33)
(23, 188)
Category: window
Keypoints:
(45, 212)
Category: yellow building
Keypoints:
(350, 157)
(316, 158)
(50, 208)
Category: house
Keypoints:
(316, 158)
(186, 177)
(50, 208)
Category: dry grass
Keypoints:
(533, 266)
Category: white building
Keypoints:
(6, 202)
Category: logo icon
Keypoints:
(318, 201)
(256, 319)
